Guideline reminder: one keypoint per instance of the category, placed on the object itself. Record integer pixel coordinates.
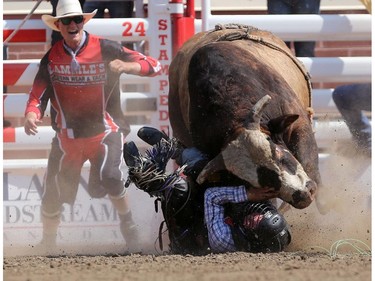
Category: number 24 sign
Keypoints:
(139, 29)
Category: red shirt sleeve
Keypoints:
(149, 65)
(40, 84)
(114, 50)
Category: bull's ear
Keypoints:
(280, 124)
(211, 169)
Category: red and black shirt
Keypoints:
(80, 99)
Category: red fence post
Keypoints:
(182, 25)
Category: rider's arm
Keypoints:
(219, 233)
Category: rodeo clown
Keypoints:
(234, 218)
(79, 76)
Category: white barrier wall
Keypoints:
(90, 226)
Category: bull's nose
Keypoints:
(311, 187)
(302, 199)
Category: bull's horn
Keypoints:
(215, 165)
(257, 110)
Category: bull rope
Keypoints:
(359, 246)
(244, 32)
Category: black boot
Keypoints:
(131, 154)
(151, 135)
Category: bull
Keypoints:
(216, 79)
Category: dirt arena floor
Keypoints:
(292, 266)
(330, 247)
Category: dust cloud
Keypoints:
(346, 191)
(346, 195)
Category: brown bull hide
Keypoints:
(216, 79)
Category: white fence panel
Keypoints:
(345, 27)
(132, 103)
(322, 69)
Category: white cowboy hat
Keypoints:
(65, 9)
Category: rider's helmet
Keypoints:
(261, 228)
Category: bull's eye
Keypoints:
(285, 160)
(278, 153)
(288, 163)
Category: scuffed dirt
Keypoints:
(231, 266)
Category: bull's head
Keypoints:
(263, 160)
